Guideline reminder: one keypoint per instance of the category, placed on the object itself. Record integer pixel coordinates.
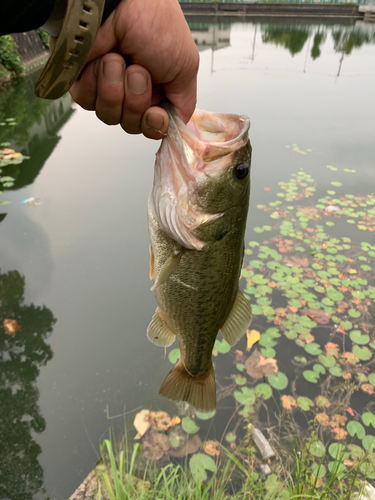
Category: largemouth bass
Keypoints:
(197, 212)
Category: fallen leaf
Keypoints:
(317, 315)
(307, 337)
(11, 327)
(297, 261)
(272, 284)
(6, 151)
(309, 211)
(155, 445)
(332, 349)
(350, 357)
(339, 433)
(322, 402)
(346, 375)
(174, 421)
(323, 419)
(288, 402)
(258, 366)
(350, 270)
(267, 189)
(340, 419)
(368, 388)
(212, 448)
(342, 306)
(253, 337)
(294, 309)
(349, 410)
(160, 420)
(142, 423)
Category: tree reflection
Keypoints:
(21, 357)
(319, 38)
(291, 37)
(346, 40)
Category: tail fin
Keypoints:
(198, 391)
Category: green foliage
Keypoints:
(9, 56)
(44, 37)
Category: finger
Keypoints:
(83, 90)
(155, 123)
(110, 89)
(138, 95)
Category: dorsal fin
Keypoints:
(238, 321)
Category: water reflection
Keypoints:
(33, 129)
(21, 358)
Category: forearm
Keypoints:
(25, 15)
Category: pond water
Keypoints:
(74, 257)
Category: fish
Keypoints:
(197, 212)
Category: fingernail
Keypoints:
(113, 72)
(156, 122)
(136, 83)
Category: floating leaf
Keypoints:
(335, 371)
(212, 448)
(337, 451)
(278, 381)
(253, 336)
(230, 437)
(327, 360)
(367, 388)
(368, 419)
(174, 355)
(313, 349)
(189, 425)
(142, 423)
(205, 415)
(357, 337)
(305, 403)
(362, 353)
(263, 390)
(258, 366)
(356, 429)
(368, 443)
(240, 380)
(199, 464)
(322, 402)
(245, 396)
(371, 379)
(160, 420)
(288, 402)
(317, 448)
(311, 376)
(222, 346)
(318, 315)
(323, 419)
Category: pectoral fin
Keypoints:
(238, 320)
(152, 264)
(158, 332)
(169, 266)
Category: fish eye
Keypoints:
(241, 171)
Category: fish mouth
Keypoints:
(205, 147)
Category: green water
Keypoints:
(74, 262)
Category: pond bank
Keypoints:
(271, 9)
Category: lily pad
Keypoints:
(205, 415)
(313, 348)
(278, 381)
(305, 403)
(317, 448)
(199, 464)
(368, 443)
(362, 353)
(263, 390)
(245, 396)
(222, 346)
(189, 425)
(311, 376)
(174, 356)
(337, 452)
(356, 429)
(357, 337)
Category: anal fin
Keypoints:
(158, 331)
(238, 321)
(199, 391)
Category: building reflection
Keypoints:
(210, 35)
(21, 358)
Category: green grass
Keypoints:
(232, 479)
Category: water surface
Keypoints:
(74, 268)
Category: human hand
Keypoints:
(154, 36)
